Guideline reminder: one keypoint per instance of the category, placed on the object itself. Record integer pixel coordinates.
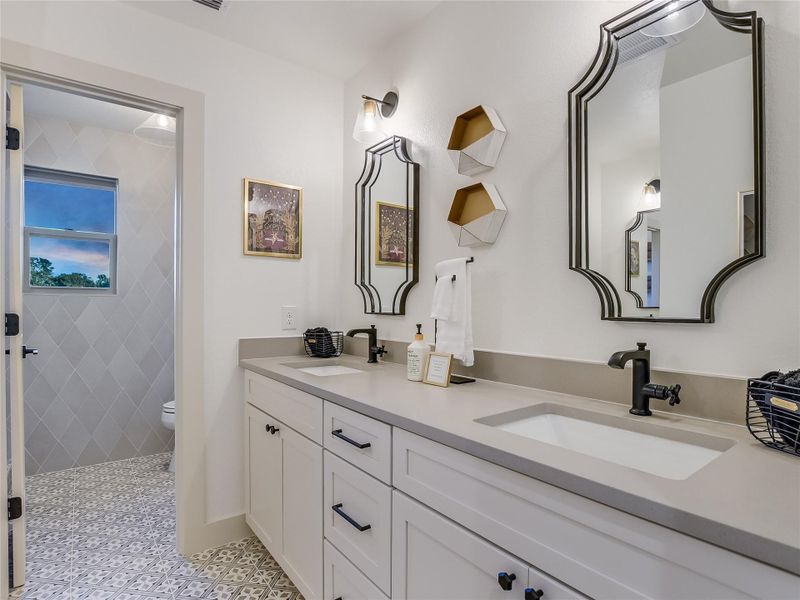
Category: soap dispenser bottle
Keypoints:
(417, 356)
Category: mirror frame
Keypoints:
(589, 86)
(373, 303)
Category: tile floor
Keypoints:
(108, 532)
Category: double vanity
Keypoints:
(364, 485)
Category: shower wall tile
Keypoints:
(105, 366)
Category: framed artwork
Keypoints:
(438, 368)
(633, 258)
(747, 223)
(393, 235)
(273, 219)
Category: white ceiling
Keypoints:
(331, 36)
(72, 107)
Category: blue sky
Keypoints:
(60, 206)
(72, 256)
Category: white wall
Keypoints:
(521, 59)
(264, 119)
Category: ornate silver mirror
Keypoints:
(666, 159)
(387, 227)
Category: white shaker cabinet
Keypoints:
(283, 493)
(436, 559)
(263, 477)
(302, 512)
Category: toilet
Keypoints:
(168, 421)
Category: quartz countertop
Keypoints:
(746, 500)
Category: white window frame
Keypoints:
(77, 179)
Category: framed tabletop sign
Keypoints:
(438, 368)
(273, 219)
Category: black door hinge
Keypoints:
(12, 324)
(12, 138)
(14, 508)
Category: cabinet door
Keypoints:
(264, 478)
(435, 559)
(302, 511)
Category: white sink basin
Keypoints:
(327, 370)
(642, 446)
(323, 368)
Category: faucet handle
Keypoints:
(641, 345)
(672, 395)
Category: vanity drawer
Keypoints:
(360, 440)
(343, 580)
(360, 524)
(603, 552)
(300, 411)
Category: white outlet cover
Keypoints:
(288, 317)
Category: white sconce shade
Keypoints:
(157, 129)
(368, 129)
(651, 196)
(683, 16)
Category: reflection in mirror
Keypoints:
(667, 198)
(387, 223)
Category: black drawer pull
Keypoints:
(337, 508)
(338, 433)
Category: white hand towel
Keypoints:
(455, 334)
(443, 298)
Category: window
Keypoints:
(70, 231)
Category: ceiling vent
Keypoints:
(636, 45)
(215, 4)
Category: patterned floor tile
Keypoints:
(107, 532)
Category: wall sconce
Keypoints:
(368, 122)
(651, 196)
(682, 15)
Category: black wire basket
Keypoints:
(773, 414)
(321, 343)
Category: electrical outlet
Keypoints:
(288, 317)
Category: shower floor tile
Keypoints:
(107, 532)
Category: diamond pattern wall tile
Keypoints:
(57, 323)
(105, 365)
(91, 322)
(40, 443)
(122, 409)
(57, 370)
(74, 346)
(91, 369)
(39, 395)
(75, 392)
(57, 417)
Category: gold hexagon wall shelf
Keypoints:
(476, 140)
(476, 215)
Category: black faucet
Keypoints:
(374, 350)
(643, 390)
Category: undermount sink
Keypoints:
(325, 369)
(662, 451)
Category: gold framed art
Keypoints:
(438, 368)
(272, 219)
(393, 235)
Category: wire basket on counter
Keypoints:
(321, 343)
(773, 414)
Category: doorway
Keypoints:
(89, 261)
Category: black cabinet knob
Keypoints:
(506, 580)
(532, 594)
(273, 430)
